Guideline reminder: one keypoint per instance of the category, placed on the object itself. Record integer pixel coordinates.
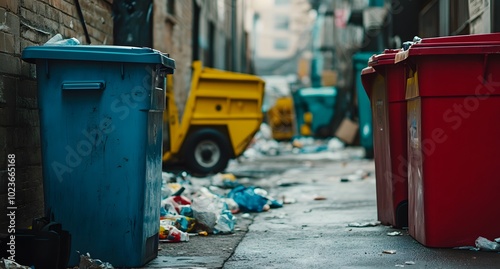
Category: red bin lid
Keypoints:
(477, 38)
(465, 44)
(387, 57)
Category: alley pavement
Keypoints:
(325, 193)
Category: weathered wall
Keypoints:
(172, 35)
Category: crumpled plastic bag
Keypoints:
(88, 263)
(176, 201)
(225, 222)
(8, 264)
(247, 199)
(183, 223)
(487, 245)
(58, 40)
(364, 224)
(212, 213)
(170, 234)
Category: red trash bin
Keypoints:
(385, 84)
(453, 95)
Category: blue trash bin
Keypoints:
(320, 101)
(360, 61)
(101, 131)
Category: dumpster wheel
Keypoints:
(207, 151)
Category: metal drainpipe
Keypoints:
(82, 20)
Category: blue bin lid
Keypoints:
(319, 91)
(101, 53)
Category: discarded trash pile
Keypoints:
(264, 144)
(199, 210)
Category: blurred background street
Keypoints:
(249, 133)
(329, 220)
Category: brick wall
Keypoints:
(172, 34)
(27, 23)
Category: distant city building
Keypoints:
(281, 34)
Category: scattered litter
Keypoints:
(176, 201)
(232, 205)
(313, 149)
(467, 248)
(88, 263)
(344, 180)
(364, 224)
(246, 216)
(409, 262)
(274, 203)
(212, 213)
(186, 210)
(265, 132)
(267, 147)
(170, 234)
(60, 41)
(400, 265)
(8, 264)
(183, 223)
(319, 198)
(227, 181)
(487, 245)
(204, 233)
(308, 211)
(300, 142)
(248, 199)
(285, 183)
(335, 144)
(395, 233)
(225, 222)
(390, 251)
(183, 178)
(483, 244)
(289, 201)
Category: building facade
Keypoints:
(282, 35)
(458, 17)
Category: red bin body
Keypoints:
(453, 95)
(385, 84)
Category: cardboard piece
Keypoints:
(347, 130)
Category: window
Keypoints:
(281, 44)
(171, 7)
(459, 17)
(281, 22)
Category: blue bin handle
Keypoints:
(83, 85)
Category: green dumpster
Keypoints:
(360, 61)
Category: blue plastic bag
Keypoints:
(247, 199)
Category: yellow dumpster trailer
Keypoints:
(221, 116)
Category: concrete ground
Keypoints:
(314, 233)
